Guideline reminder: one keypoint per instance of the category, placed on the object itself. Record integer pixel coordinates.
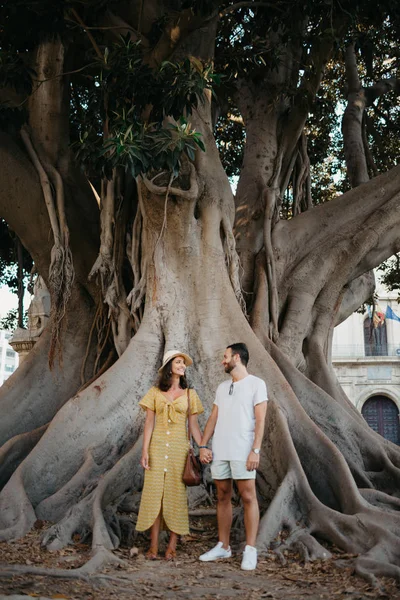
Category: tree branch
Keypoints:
(238, 5)
(117, 23)
(318, 57)
(352, 123)
(353, 80)
(190, 194)
(91, 38)
(302, 234)
(382, 87)
(174, 34)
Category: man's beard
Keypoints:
(229, 367)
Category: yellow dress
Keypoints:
(163, 486)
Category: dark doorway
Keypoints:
(382, 415)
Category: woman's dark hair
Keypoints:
(165, 378)
(242, 350)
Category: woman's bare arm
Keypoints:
(147, 433)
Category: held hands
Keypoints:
(205, 456)
(253, 460)
(144, 461)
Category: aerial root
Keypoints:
(232, 259)
(191, 194)
(61, 271)
(138, 261)
(109, 261)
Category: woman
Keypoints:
(165, 447)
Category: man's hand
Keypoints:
(205, 456)
(253, 460)
(144, 461)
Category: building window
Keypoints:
(382, 416)
(375, 337)
(10, 353)
(9, 368)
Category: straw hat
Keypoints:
(170, 354)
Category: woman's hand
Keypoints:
(144, 461)
(205, 456)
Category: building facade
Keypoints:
(366, 358)
(9, 359)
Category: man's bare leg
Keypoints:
(224, 510)
(247, 491)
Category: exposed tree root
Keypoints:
(52, 491)
(96, 512)
(99, 560)
(25, 408)
(353, 525)
(13, 452)
(373, 461)
(17, 509)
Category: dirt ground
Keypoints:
(184, 578)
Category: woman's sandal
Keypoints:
(152, 553)
(170, 554)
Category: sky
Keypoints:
(8, 300)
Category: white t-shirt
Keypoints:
(234, 432)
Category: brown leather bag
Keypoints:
(192, 471)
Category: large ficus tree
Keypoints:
(121, 121)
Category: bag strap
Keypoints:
(189, 433)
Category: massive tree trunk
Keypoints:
(324, 475)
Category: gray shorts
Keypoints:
(231, 469)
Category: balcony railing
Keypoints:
(361, 351)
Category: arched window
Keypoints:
(375, 338)
(382, 416)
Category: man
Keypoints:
(237, 421)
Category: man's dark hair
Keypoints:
(242, 350)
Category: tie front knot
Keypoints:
(169, 413)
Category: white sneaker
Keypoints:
(249, 560)
(215, 553)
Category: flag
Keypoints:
(390, 314)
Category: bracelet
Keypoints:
(203, 447)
